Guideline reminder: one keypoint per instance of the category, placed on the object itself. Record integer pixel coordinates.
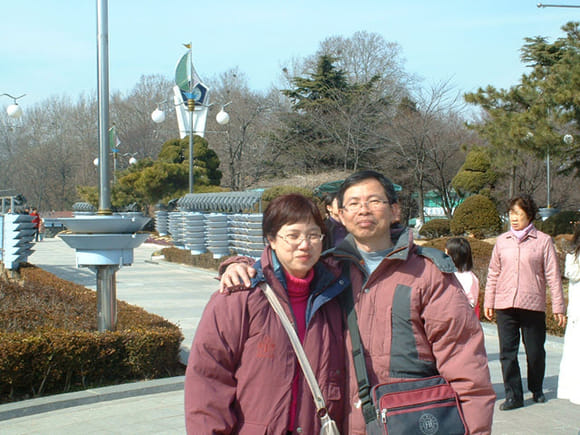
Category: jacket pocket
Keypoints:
(253, 429)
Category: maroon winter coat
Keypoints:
(241, 365)
(415, 321)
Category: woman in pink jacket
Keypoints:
(523, 261)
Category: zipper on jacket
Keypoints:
(418, 405)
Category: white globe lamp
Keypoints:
(158, 116)
(222, 117)
(14, 111)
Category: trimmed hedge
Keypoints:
(49, 341)
(274, 192)
(183, 256)
(560, 223)
(435, 228)
(476, 216)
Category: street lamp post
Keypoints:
(132, 161)
(191, 99)
(191, 108)
(103, 106)
(568, 139)
(14, 110)
(542, 5)
(222, 118)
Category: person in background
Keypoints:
(459, 249)
(413, 316)
(243, 376)
(41, 230)
(522, 262)
(36, 222)
(568, 379)
(335, 230)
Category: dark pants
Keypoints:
(533, 328)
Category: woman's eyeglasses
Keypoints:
(295, 239)
(517, 213)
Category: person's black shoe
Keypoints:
(511, 404)
(538, 397)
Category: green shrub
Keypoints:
(184, 256)
(560, 223)
(476, 216)
(435, 228)
(49, 341)
(274, 192)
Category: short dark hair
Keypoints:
(526, 203)
(361, 176)
(289, 209)
(328, 198)
(459, 249)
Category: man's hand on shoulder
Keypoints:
(236, 275)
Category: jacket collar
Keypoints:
(401, 237)
(269, 266)
(532, 233)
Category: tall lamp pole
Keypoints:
(191, 108)
(568, 139)
(191, 105)
(188, 93)
(103, 101)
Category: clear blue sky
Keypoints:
(48, 48)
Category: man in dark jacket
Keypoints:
(413, 316)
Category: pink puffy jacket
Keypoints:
(518, 273)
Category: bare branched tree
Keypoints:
(365, 56)
(424, 141)
(241, 143)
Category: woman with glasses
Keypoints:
(243, 375)
(522, 262)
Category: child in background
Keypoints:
(459, 250)
(568, 379)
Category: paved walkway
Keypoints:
(179, 293)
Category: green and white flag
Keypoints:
(114, 140)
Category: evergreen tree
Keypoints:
(533, 116)
(476, 173)
(333, 123)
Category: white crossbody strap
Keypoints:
(306, 369)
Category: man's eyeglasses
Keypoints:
(373, 205)
(295, 239)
